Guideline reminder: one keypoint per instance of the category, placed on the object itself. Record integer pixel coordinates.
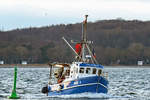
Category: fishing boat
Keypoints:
(83, 75)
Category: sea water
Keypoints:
(124, 84)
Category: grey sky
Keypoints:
(36, 13)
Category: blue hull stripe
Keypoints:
(85, 85)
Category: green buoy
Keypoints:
(14, 94)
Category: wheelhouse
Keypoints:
(85, 70)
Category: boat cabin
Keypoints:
(80, 69)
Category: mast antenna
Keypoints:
(84, 29)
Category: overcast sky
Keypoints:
(36, 13)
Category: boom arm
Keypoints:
(71, 47)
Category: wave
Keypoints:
(88, 95)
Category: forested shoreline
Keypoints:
(115, 41)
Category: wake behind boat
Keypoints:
(84, 75)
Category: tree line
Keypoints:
(115, 41)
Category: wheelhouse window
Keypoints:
(94, 71)
(88, 70)
(99, 72)
(81, 70)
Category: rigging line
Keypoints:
(91, 53)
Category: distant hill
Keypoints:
(115, 42)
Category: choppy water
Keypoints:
(124, 84)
